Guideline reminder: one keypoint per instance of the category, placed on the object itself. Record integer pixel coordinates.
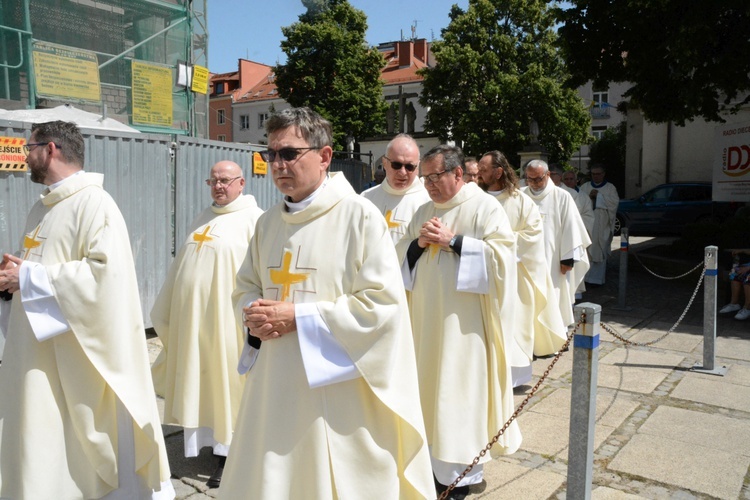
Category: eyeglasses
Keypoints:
(396, 165)
(433, 178)
(224, 182)
(535, 180)
(27, 147)
(284, 154)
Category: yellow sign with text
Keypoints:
(152, 94)
(200, 80)
(65, 72)
(12, 155)
(260, 167)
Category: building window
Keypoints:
(598, 132)
(244, 122)
(600, 103)
(221, 118)
(222, 138)
(262, 117)
(220, 88)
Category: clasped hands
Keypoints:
(9, 268)
(269, 319)
(434, 232)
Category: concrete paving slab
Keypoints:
(698, 468)
(733, 348)
(713, 392)
(706, 429)
(509, 481)
(561, 369)
(630, 378)
(548, 435)
(605, 493)
(640, 358)
(675, 341)
(612, 408)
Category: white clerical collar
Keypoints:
(537, 192)
(294, 207)
(59, 183)
(495, 193)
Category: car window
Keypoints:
(657, 195)
(692, 193)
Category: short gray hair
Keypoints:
(453, 157)
(315, 129)
(536, 164)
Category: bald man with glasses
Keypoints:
(402, 192)
(196, 371)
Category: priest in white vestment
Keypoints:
(605, 200)
(540, 330)
(565, 238)
(331, 404)
(459, 261)
(78, 415)
(402, 191)
(196, 371)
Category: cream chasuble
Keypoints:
(58, 417)
(605, 211)
(463, 339)
(360, 438)
(564, 238)
(196, 372)
(397, 207)
(540, 328)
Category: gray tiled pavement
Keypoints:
(662, 430)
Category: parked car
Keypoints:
(668, 208)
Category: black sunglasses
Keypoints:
(284, 154)
(396, 165)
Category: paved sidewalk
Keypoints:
(662, 430)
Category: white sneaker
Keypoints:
(729, 308)
(743, 314)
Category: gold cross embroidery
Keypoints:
(434, 249)
(285, 278)
(201, 238)
(30, 243)
(391, 224)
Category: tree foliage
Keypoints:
(497, 69)
(331, 69)
(685, 58)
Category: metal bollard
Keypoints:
(583, 403)
(623, 276)
(709, 314)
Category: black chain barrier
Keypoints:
(564, 348)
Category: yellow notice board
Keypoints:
(64, 72)
(200, 80)
(259, 166)
(152, 94)
(12, 156)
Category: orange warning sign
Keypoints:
(12, 155)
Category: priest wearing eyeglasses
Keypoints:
(402, 192)
(331, 404)
(194, 318)
(459, 261)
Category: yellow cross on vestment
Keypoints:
(391, 224)
(285, 278)
(31, 242)
(201, 238)
(434, 249)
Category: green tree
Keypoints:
(685, 58)
(497, 69)
(331, 69)
(609, 151)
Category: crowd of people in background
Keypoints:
(336, 346)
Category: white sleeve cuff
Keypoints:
(472, 267)
(325, 360)
(408, 274)
(247, 358)
(39, 302)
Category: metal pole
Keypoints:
(709, 314)
(583, 403)
(623, 277)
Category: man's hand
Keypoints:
(564, 269)
(9, 267)
(434, 232)
(593, 194)
(269, 319)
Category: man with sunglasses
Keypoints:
(565, 235)
(331, 403)
(196, 371)
(402, 192)
(459, 261)
(78, 414)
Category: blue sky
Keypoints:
(252, 30)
